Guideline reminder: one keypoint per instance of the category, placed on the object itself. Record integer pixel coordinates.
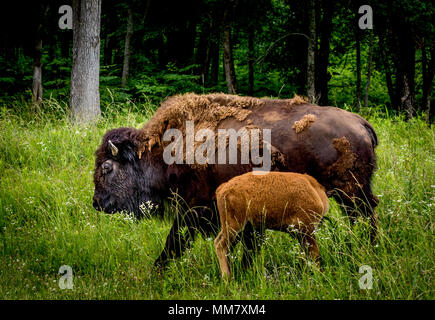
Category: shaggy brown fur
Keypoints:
(304, 123)
(338, 150)
(272, 116)
(298, 100)
(347, 158)
(341, 170)
(206, 111)
(284, 201)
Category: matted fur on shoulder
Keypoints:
(206, 111)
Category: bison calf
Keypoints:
(283, 201)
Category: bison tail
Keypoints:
(372, 133)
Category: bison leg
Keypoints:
(208, 221)
(180, 236)
(362, 202)
(252, 240)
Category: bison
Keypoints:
(334, 146)
(283, 201)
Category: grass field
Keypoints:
(47, 220)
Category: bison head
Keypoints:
(124, 180)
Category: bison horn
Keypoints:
(113, 148)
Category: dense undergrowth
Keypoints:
(47, 220)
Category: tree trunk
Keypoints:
(215, 55)
(109, 24)
(386, 64)
(311, 76)
(369, 71)
(139, 44)
(85, 95)
(406, 79)
(251, 62)
(65, 43)
(390, 86)
(107, 50)
(37, 74)
(358, 67)
(322, 58)
(129, 33)
(230, 73)
(203, 52)
(403, 50)
(405, 96)
(147, 9)
(428, 75)
(181, 44)
(37, 61)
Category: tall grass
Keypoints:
(47, 220)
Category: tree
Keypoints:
(358, 61)
(311, 90)
(37, 59)
(428, 76)
(215, 57)
(109, 22)
(369, 70)
(405, 66)
(85, 95)
(127, 49)
(204, 49)
(324, 14)
(399, 26)
(251, 61)
(230, 72)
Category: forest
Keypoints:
(72, 70)
(149, 50)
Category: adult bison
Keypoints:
(332, 145)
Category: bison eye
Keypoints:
(107, 167)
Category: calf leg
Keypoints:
(309, 244)
(223, 242)
(252, 240)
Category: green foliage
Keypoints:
(46, 162)
(170, 44)
(47, 220)
(155, 86)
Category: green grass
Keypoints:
(47, 220)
